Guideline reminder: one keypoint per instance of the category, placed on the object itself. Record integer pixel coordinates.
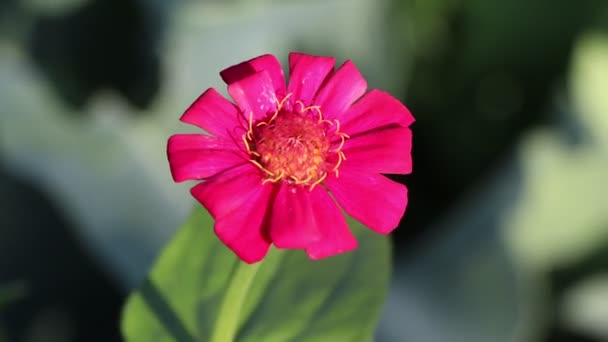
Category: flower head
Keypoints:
(270, 161)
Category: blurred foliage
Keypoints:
(95, 47)
(559, 228)
(482, 75)
(486, 74)
(51, 289)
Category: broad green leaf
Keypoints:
(291, 298)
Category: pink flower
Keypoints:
(274, 163)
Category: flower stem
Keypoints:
(229, 315)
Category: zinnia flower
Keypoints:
(276, 163)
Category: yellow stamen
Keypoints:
(319, 181)
(279, 107)
(341, 143)
(282, 149)
(250, 131)
(335, 169)
(298, 102)
(317, 108)
(303, 181)
(284, 99)
(261, 167)
(337, 126)
(278, 177)
(246, 143)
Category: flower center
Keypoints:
(295, 145)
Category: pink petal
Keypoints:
(375, 109)
(336, 236)
(307, 73)
(199, 157)
(185, 142)
(340, 91)
(255, 95)
(222, 195)
(238, 202)
(293, 224)
(374, 200)
(213, 113)
(266, 62)
(387, 150)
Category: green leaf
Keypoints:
(290, 298)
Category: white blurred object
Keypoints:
(585, 307)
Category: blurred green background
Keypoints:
(506, 233)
